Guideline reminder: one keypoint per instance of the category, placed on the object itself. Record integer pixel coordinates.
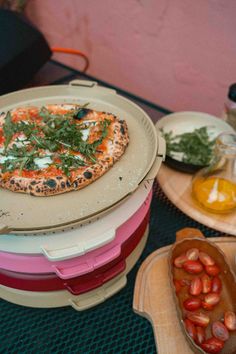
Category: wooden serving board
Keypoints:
(153, 298)
(177, 187)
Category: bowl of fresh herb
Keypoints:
(190, 139)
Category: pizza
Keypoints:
(58, 148)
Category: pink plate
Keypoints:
(77, 266)
(80, 284)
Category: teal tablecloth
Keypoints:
(111, 327)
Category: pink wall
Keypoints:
(180, 54)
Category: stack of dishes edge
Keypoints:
(80, 253)
(32, 279)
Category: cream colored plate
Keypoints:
(71, 243)
(21, 212)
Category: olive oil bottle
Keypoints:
(214, 187)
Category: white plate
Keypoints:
(186, 122)
(183, 122)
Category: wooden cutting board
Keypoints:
(177, 187)
(153, 298)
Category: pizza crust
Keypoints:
(53, 185)
(60, 184)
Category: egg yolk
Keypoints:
(215, 194)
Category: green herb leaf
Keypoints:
(196, 146)
(8, 130)
(56, 132)
(69, 162)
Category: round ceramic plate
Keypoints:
(22, 212)
(183, 122)
(65, 298)
(79, 284)
(84, 264)
(69, 243)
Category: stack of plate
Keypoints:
(77, 248)
(46, 276)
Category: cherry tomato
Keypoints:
(201, 335)
(206, 259)
(198, 318)
(190, 328)
(195, 287)
(212, 345)
(230, 320)
(212, 270)
(192, 254)
(220, 331)
(206, 284)
(192, 304)
(212, 298)
(179, 261)
(193, 267)
(216, 285)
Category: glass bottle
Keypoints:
(214, 187)
(230, 106)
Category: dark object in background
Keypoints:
(230, 106)
(23, 51)
(232, 92)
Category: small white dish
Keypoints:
(184, 122)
